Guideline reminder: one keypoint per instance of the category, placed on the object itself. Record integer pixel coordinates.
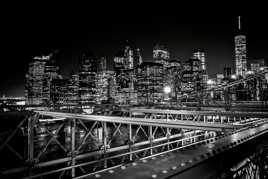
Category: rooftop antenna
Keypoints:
(239, 22)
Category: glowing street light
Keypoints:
(210, 82)
(233, 77)
(167, 89)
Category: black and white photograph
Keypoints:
(119, 92)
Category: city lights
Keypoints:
(233, 77)
(135, 106)
(167, 89)
(210, 82)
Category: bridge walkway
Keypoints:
(167, 164)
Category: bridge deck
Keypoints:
(178, 161)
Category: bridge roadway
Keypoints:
(193, 125)
(180, 163)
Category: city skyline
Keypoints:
(133, 91)
(215, 37)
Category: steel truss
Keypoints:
(253, 167)
(215, 117)
(225, 89)
(74, 147)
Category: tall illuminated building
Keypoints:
(105, 83)
(137, 58)
(73, 89)
(150, 83)
(200, 55)
(35, 76)
(227, 72)
(59, 92)
(172, 79)
(41, 71)
(191, 77)
(102, 64)
(125, 63)
(52, 72)
(160, 52)
(240, 51)
(161, 55)
(256, 65)
(87, 79)
(104, 86)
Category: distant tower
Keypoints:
(42, 70)
(240, 51)
(200, 55)
(87, 78)
(102, 64)
(160, 52)
(161, 55)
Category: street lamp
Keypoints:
(167, 89)
(210, 82)
(234, 77)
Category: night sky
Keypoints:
(34, 32)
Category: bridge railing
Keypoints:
(212, 117)
(75, 147)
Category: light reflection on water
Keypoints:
(64, 138)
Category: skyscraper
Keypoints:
(160, 52)
(172, 78)
(129, 57)
(87, 79)
(256, 64)
(102, 64)
(137, 58)
(200, 55)
(161, 55)
(240, 51)
(59, 92)
(73, 89)
(191, 79)
(227, 72)
(42, 70)
(124, 63)
(51, 73)
(35, 81)
(150, 83)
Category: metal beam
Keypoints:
(204, 113)
(147, 122)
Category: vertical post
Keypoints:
(73, 126)
(151, 139)
(104, 135)
(30, 133)
(130, 142)
(168, 136)
(258, 90)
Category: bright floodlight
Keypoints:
(210, 82)
(233, 77)
(167, 89)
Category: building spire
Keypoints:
(239, 22)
